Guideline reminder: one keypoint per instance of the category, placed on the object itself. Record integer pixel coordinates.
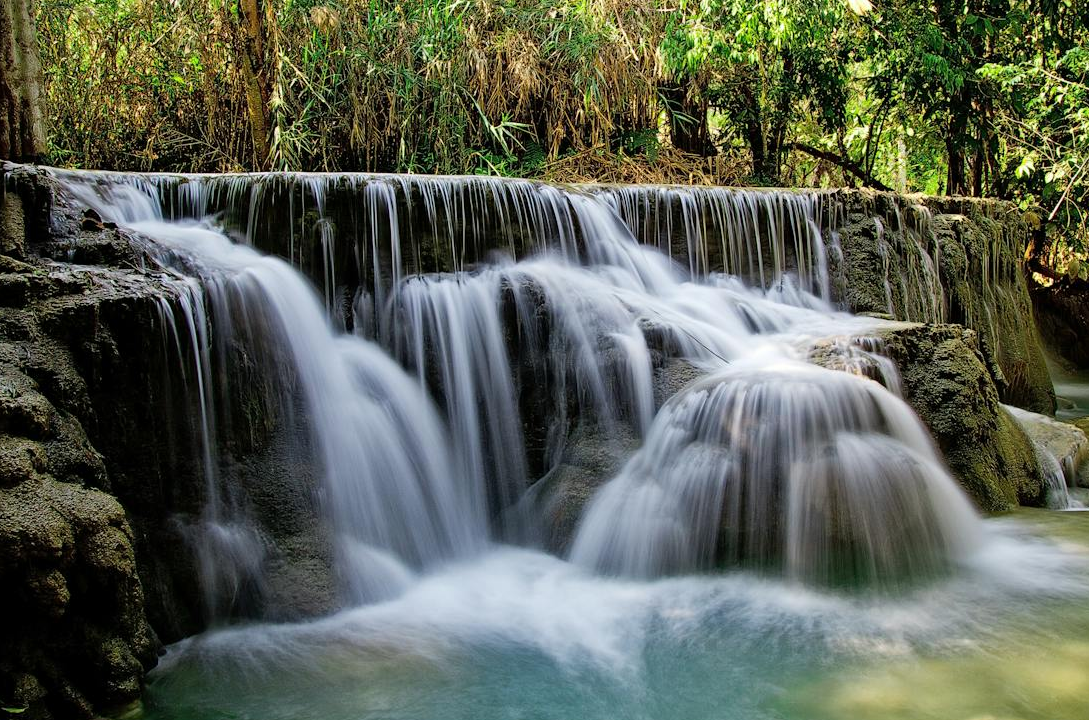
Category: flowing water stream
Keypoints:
(784, 542)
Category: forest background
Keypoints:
(972, 97)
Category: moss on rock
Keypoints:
(941, 260)
(74, 639)
(946, 381)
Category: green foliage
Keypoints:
(765, 66)
(975, 96)
(422, 85)
(1045, 125)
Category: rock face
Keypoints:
(593, 457)
(1062, 312)
(1063, 441)
(942, 260)
(946, 381)
(74, 638)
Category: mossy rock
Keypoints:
(947, 383)
(933, 260)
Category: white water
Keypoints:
(393, 496)
(776, 462)
(803, 477)
(523, 634)
(770, 462)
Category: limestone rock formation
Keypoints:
(1063, 441)
(946, 381)
(74, 638)
(593, 456)
(949, 260)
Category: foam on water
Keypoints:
(502, 624)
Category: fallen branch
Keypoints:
(849, 165)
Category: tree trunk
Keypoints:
(754, 131)
(956, 141)
(255, 77)
(22, 115)
(781, 114)
(956, 182)
(775, 148)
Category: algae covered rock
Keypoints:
(67, 565)
(946, 260)
(988, 293)
(947, 383)
(74, 637)
(69, 570)
(593, 457)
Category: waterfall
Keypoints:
(461, 327)
(392, 494)
(778, 463)
(348, 231)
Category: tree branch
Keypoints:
(845, 163)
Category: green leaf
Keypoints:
(1027, 167)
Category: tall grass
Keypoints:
(451, 86)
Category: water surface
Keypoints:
(519, 634)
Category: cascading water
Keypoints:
(392, 494)
(778, 463)
(512, 313)
(596, 305)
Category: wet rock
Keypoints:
(300, 583)
(940, 260)
(12, 228)
(946, 381)
(1064, 441)
(23, 411)
(69, 563)
(74, 637)
(71, 458)
(20, 460)
(91, 220)
(594, 456)
(673, 375)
